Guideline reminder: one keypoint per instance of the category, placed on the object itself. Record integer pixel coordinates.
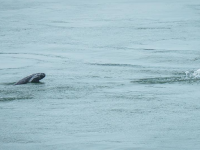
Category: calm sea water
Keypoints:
(115, 74)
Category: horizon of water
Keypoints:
(120, 74)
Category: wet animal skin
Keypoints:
(34, 78)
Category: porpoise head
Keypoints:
(41, 75)
(36, 77)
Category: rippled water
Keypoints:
(115, 74)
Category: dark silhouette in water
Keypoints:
(34, 78)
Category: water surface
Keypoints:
(115, 74)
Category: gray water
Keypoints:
(115, 74)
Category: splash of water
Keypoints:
(193, 75)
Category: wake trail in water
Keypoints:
(190, 77)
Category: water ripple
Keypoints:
(116, 65)
(166, 80)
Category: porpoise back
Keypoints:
(34, 78)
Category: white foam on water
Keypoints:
(192, 74)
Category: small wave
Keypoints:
(16, 68)
(190, 77)
(149, 49)
(115, 65)
(195, 74)
(8, 83)
(6, 99)
(35, 54)
(165, 80)
(153, 28)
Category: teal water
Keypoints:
(115, 74)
